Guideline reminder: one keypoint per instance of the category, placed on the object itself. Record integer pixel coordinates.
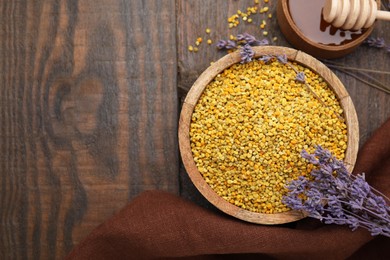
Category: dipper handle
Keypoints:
(352, 14)
(383, 15)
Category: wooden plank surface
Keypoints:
(89, 98)
(88, 116)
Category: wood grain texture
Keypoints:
(89, 108)
(372, 105)
(88, 116)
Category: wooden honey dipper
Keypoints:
(352, 14)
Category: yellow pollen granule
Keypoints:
(250, 125)
(264, 9)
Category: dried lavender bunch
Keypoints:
(333, 195)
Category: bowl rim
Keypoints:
(197, 89)
(333, 48)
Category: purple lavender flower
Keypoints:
(309, 157)
(266, 58)
(231, 45)
(243, 41)
(262, 42)
(228, 45)
(334, 196)
(352, 222)
(282, 58)
(247, 38)
(241, 37)
(301, 77)
(246, 53)
(377, 42)
(221, 44)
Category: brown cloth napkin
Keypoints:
(158, 225)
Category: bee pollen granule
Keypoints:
(250, 125)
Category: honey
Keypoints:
(307, 15)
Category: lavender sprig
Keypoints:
(266, 58)
(228, 45)
(377, 42)
(231, 45)
(243, 42)
(246, 53)
(247, 38)
(262, 42)
(282, 58)
(221, 44)
(300, 77)
(334, 196)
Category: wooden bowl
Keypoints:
(194, 94)
(296, 38)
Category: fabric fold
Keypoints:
(159, 225)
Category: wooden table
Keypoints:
(90, 95)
